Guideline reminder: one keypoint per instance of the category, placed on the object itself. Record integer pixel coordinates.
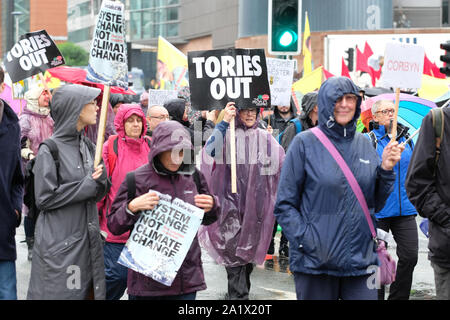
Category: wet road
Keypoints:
(271, 281)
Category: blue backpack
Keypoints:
(298, 128)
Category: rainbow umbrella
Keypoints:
(411, 110)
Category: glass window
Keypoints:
(80, 35)
(445, 12)
(135, 25)
(172, 14)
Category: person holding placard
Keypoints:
(398, 215)
(242, 234)
(68, 250)
(166, 173)
(331, 249)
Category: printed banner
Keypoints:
(171, 65)
(35, 52)
(403, 65)
(159, 97)
(108, 54)
(161, 238)
(219, 76)
(281, 74)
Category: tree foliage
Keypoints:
(73, 54)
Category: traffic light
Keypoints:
(284, 21)
(445, 58)
(350, 58)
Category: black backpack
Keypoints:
(29, 198)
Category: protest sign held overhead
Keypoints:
(159, 97)
(161, 239)
(280, 73)
(34, 53)
(403, 65)
(108, 54)
(219, 76)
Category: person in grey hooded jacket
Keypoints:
(68, 251)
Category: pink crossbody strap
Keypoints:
(348, 174)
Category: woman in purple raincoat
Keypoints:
(36, 125)
(242, 233)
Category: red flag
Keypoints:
(367, 50)
(375, 75)
(436, 72)
(361, 61)
(427, 66)
(327, 73)
(345, 72)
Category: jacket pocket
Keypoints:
(66, 244)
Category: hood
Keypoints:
(329, 92)
(309, 101)
(32, 98)
(176, 108)
(240, 124)
(116, 98)
(67, 103)
(170, 135)
(123, 113)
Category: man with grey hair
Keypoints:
(155, 115)
(398, 215)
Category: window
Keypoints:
(445, 12)
(152, 18)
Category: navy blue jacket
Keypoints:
(398, 203)
(11, 182)
(316, 207)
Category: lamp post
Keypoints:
(16, 15)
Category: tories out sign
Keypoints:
(219, 76)
(35, 52)
(108, 54)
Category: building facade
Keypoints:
(34, 16)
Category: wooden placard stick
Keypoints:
(233, 156)
(102, 126)
(394, 123)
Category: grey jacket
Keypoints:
(68, 250)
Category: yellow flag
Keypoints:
(309, 83)
(171, 66)
(52, 82)
(433, 88)
(307, 64)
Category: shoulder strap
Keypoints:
(131, 185)
(373, 138)
(348, 175)
(112, 152)
(298, 125)
(148, 140)
(196, 177)
(53, 147)
(438, 125)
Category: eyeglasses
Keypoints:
(162, 117)
(349, 97)
(385, 112)
(249, 111)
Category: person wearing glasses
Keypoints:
(331, 250)
(242, 234)
(156, 115)
(399, 214)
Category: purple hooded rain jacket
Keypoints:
(167, 136)
(244, 227)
